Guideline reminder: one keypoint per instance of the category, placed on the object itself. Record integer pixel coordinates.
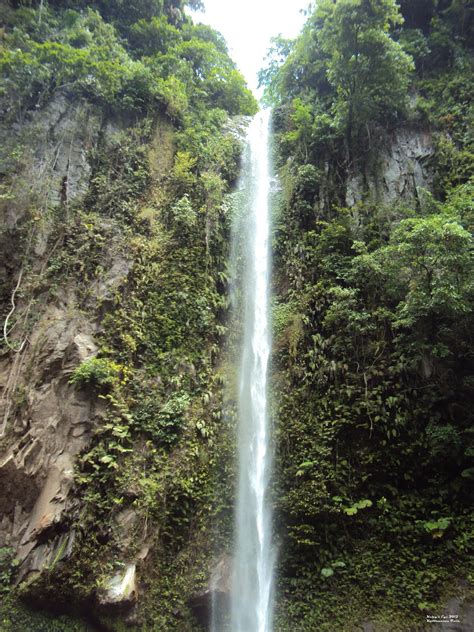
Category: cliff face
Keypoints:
(371, 316)
(401, 170)
(371, 390)
(63, 311)
(46, 420)
(115, 220)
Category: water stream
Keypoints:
(251, 597)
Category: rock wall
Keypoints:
(44, 434)
(49, 156)
(399, 172)
(45, 421)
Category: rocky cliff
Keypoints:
(115, 219)
(371, 316)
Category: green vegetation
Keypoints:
(372, 315)
(15, 617)
(96, 371)
(48, 47)
(157, 205)
(373, 338)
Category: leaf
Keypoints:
(327, 572)
(108, 458)
(351, 511)
(363, 504)
(338, 564)
(306, 464)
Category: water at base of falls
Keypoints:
(252, 585)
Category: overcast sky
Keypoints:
(248, 25)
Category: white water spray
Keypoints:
(251, 598)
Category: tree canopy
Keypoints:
(140, 55)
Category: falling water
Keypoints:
(251, 598)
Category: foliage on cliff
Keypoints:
(149, 57)
(373, 315)
(161, 167)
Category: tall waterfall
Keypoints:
(251, 597)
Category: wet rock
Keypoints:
(126, 522)
(47, 555)
(49, 506)
(212, 604)
(19, 493)
(114, 278)
(45, 434)
(120, 591)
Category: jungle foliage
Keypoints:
(157, 200)
(373, 315)
(138, 58)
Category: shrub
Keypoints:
(98, 372)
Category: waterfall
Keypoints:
(251, 597)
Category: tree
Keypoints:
(270, 76)
(434, 260)
(153, 36)
(368, 70)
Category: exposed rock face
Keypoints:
(44, 420)
(121, 590)
(211, 606)
(45, 434)
(401, 171)
(103, 290)
(55, 168)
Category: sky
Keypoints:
(248, 25)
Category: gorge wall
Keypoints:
(116, 169)
(372, 313)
